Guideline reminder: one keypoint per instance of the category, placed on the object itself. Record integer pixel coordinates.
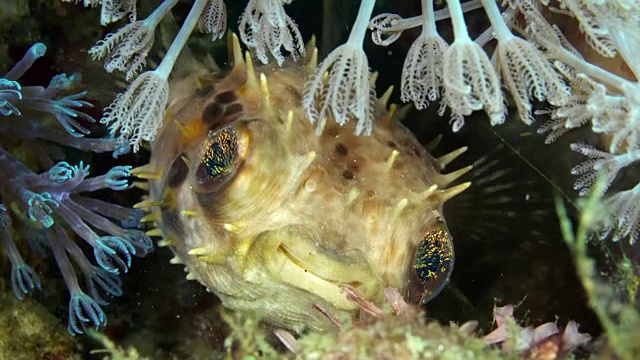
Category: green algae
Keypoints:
(398, 337)
(392, 337)
(28, 331)
(613, 300)
(112, 351)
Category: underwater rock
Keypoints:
(28, 331)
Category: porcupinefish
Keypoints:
(275, 219)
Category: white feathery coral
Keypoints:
(619, 117)
(538, 29)
(624, 216)
(575, 112)
(625, 36)
(136, 115)
(470, 81)
(112, 10)
(601, 166)
(613, 105)
(525, 71)
(266, 27)
(214, 19)
(346, 92)
(602, 23)
(422, 70)
(386, 28)
(596, 33)
(127, 49)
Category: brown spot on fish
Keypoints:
(341, 149)
(211, 114)
(177, 173)
(226, 97)
(348, 175)
(232, 109)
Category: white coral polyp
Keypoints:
(266, 27)
(214, 19)
(525, 70)
(422, 71)
(527, 73)
(346, 93)
(126, 50)
(624, 219)
(471, 83)
(384, 29)
(137, 114)
(114, 10)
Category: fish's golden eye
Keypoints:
(220, 158)
(432, 265)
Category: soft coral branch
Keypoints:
(347, 92)
(53, 200)
(136, 115)
(126, 50)
(265, 26)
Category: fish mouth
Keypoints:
(313, 273)
(299, 263)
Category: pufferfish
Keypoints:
(277, 220)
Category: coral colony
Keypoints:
(56, 201)
(533, 61)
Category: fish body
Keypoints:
(275, 219)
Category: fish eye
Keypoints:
(221, 155)
(432, 265)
